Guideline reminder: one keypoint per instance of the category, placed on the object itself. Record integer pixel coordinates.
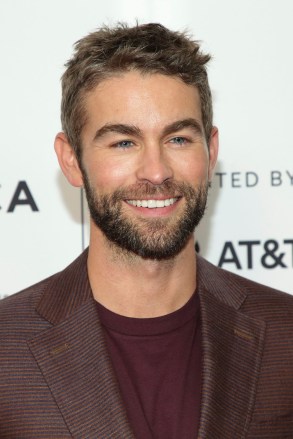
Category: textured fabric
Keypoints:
(57, 381)
(248, 358)
(158, 367)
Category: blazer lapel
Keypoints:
(74, 360)
(232, 350)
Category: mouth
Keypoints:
(153, 204)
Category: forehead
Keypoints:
(145, 100)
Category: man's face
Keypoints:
(145, 162)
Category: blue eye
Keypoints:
(179, 140)
(124, 144)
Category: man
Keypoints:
(139, 337)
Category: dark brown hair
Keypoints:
(148, 48)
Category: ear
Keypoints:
(67, 160)
(213, 150)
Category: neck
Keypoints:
(131, 286)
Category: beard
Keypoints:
(149, 238)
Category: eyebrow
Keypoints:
(129, 130)
(132, 130)
(181, 124)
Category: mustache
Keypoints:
(168, 189)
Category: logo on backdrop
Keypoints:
(250, 254)
(268, 254)
(250, 179)
(21, 197)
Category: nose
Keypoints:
(154, 166)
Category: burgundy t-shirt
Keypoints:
(157, 362)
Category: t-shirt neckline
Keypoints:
(150, 325)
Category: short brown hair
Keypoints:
(148, 48)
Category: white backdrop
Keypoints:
(248, 227)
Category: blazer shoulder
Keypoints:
(250, 294)
(48, 296)
(18, 316)
(27, 296)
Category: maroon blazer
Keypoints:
(56, 378)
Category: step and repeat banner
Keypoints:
(248, 226)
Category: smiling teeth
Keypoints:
(152, 204)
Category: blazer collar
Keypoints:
(70, 289)
(223, 285)
(66, 292)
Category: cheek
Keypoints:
(193, 168)
(110, 173)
